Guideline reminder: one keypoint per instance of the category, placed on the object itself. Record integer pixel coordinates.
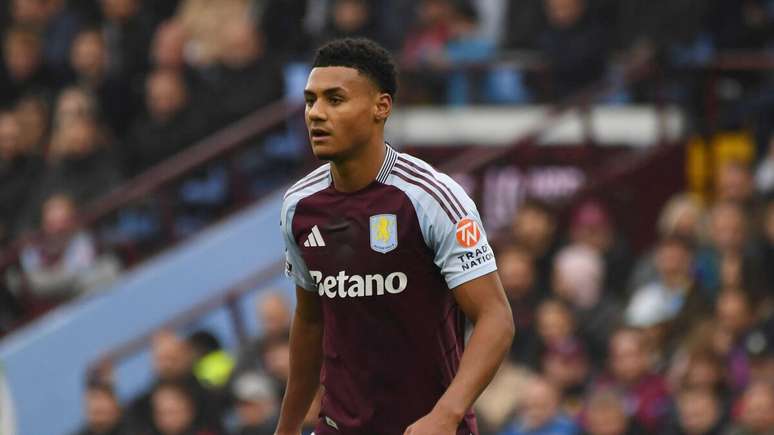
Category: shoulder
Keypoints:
(308, 185)
(430, 187)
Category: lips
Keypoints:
(319, 133)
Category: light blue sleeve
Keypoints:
(295, 266)
(462, 251)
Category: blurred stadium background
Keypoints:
(621, 153)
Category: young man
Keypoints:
(388, 257)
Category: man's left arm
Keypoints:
(484, 303)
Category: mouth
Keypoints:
(319, 134)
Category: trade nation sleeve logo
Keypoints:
(468, 233)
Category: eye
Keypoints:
(309, 101)
(335, 100)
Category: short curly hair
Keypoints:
(364, 55)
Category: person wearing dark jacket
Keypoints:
(103, 412)
(18, 169)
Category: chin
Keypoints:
(325, 152)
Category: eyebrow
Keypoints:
(329, 91)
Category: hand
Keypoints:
(434, 423)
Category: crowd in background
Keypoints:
(94, 92)
(676, 340)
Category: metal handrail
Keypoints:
(229, 297)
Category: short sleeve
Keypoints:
(462, 251)
(295, 266)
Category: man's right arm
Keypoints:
(305, 362)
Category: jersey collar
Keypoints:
(390, 157)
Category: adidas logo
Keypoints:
(314, 239)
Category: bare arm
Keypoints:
(305, 362)
(484, 303)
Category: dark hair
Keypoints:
(204, 342)
(364, 55)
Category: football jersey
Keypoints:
(382, 260)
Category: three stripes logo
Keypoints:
(468, 233)
(314, 239)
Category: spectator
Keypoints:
(592, 226)
(574, 44)
(172, 363)
(673, 302)
(517, 272)
(755, 416)
(286, 24)
(699, 369)
(605, 414)
(273, 314)
(681, 216)
(568, 368)
(66, 261)
(699, 412)
(351, 18)
(734, 182)
(79, 164)
(423, 52)
(257, 405)
(540, 413)
(175, 411)
(467, 45)
(19, 167)
(735, 315)
(212, 364)
(128, 31)
(534, 227)
(276, 360)
(203, 23)
(246, 79)
(425, 43)
(578, 280)
(526, 21)
(103, 412)
(23, 70)
(57, 24)
(73, 104)
(32, 112)
(170, 125)
(727, 261)
(89, 61)
(631, 371)
(168, 53)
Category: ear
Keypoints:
(382, 107)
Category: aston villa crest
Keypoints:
(384, 232)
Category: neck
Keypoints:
(359, 170)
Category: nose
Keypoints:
(315, 112)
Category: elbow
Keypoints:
(507, 326)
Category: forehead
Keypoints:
(330, 77)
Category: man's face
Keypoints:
(540, 404)
(88, 55)
(698, 411)
(628, 360)
(102, 411)
(172, 411)
(171, 356)
(341, 111)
